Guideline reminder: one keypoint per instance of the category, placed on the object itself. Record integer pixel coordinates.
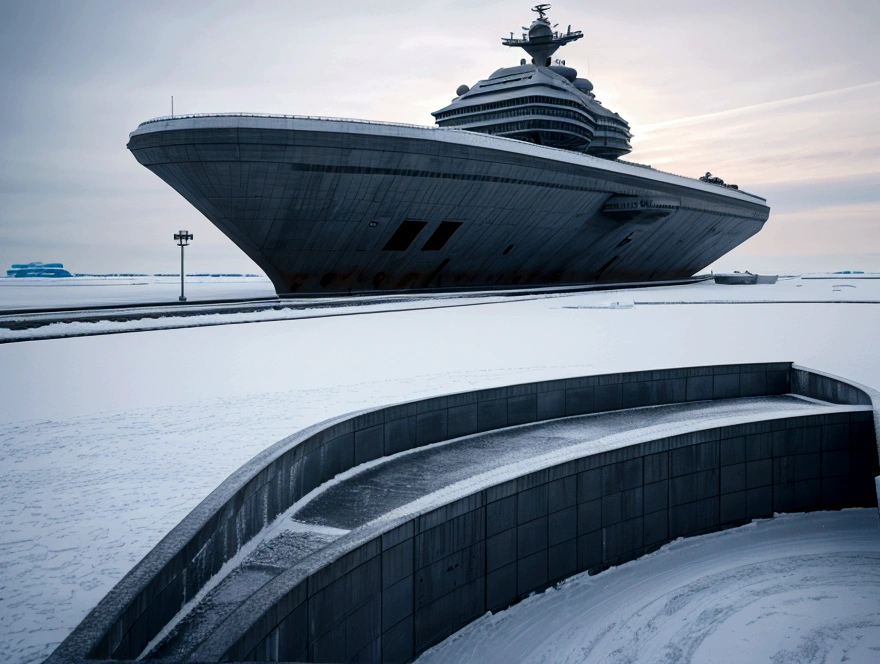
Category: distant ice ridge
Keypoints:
(796, 588)
(38, 270)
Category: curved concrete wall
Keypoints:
(502, 542)
(398, 594)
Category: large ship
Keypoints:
(519, 184)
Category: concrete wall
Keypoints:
(407, 590)
(825, 387)
(704, 485)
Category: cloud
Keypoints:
(762, 107)
(837, 229)
(824, 136)
(443, 43)
(721, 87)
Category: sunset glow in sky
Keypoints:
(781, 97)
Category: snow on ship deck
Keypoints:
(441, 134)
(370, 496)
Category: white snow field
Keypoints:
(164, 312)
(107, 442)
(796, 589)
(36, 293)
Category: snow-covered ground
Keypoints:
(36, 293)
(796, 589)
(106, 442)
(833, 288)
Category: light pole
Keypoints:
(183, 238)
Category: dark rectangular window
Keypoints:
(605, 267)
(441, 236)
(404, 235)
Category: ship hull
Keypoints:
(321, 205)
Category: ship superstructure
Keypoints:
(540, 102)
(518, 186)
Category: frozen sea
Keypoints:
(34, 293)
(107, 442)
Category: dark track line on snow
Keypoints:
(519, 298)
(249, 322)
(759, 302)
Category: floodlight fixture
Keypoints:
(183, 239)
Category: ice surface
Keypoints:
(26, 293)
(789, 290)
(28, 326)
(794, 589)
(107, 442)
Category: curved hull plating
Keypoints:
(329, 206)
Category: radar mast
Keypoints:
(541, 41)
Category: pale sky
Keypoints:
(779, 96)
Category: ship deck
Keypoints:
(446, 135)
